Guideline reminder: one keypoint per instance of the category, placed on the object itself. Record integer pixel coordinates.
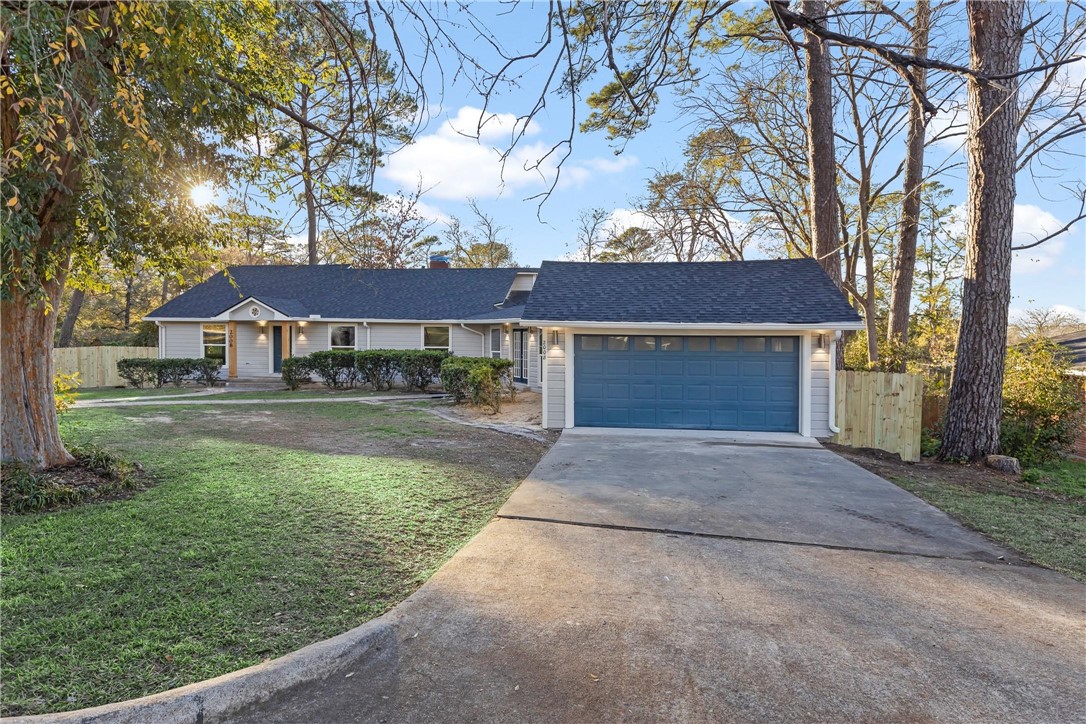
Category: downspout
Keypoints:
(833, 383)
(482, 339)
(367, 326)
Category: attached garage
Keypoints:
(744, 346)
(707, 382)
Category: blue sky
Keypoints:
(457, 167)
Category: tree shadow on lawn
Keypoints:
(347, 429)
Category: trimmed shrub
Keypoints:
(335, 367)
(378, 367)
(1042, 404)
(295, 371)
(454, 379)
(205, 370)
(479, 379)
(138, 371)
(175, 371)
(420, 367)
(142, 371)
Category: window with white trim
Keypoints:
(214, 341)
(436, 337)
(342, 336)
(496, 343)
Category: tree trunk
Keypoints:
(905, 259)
(128, 283)
(821, 157)
(975, 403)
(67, 329)
(29, 428)
(307, 184)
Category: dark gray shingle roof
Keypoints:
(340, 291)
(790, 291)
(1075, 344)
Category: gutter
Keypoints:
(482, 339)
(833, 384)
(733, 326)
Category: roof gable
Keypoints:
(789, 291)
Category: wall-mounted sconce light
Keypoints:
(554, 337)
(822, 341)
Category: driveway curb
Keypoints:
(216, 699)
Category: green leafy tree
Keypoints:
(1042, 404)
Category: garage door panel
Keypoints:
(699, 368)
(737, 384)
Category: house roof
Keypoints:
(339, 291)
(1075, 344)
(789, 291)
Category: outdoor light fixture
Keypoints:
(554, 337)
(822, 341)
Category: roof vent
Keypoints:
(439, 261)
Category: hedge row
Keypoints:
(342, 369)
(483, 380)
(142, 371)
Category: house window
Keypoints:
(435, 337)
(727, 344)
(342, 336)
(618, 344)
(671, 344)
(591, 342)
(214, 341)
(496, 343)
(644, 344)
(697, 344)
(754, 344)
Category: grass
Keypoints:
(1044, 519)
(265, 530)
(105, 393)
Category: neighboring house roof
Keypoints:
(789, 291)
(338, 291)
(1075, 344)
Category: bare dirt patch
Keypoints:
(525, 411)
(972, 476)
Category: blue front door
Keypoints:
(708, 383)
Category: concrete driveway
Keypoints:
(644, 577)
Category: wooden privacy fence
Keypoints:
(97, 366)
(880, 410)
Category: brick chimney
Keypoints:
(439, 261)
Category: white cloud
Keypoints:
(431, 213)
(1030, 224)
(455, 165)
(947, 127)
(621, 219)
(1076, 312)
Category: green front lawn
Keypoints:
(1043, 515)
(265, 529)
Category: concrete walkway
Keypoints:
(202, 399)
(765, 604)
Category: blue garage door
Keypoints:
(706, 383)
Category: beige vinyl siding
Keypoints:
(556, 384)
(820, 389)
(469, 344)
(523, 283)
(252, 349)
(394, 336)
(182, 339)
(533, 357)
(313, 337)
(242, 314)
